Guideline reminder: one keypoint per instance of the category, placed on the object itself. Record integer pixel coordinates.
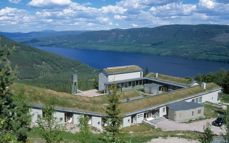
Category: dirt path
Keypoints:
(172, 140)
(168, 125)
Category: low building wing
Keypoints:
(121, 69)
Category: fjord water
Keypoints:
(161, 64)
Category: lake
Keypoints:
(161, 64)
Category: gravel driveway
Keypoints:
(172, 140)
(168, 125)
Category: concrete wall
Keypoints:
(162, 111)
(124, 76)
(59, 116)
(76, 118)
(96, 122)
(102, 80)
(210, 97)
(140, 118)
(126, 121)
(186, 115)
(35, 113)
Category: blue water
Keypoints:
(161, 64)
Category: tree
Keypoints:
(226, 136)
(225, 83)
(50, 130)
(84, 133)
(113, 119)
(13, 112)
(146, 71)
(207, 136)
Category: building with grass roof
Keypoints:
(139, 107)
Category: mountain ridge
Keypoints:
(43, 69)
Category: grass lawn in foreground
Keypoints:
(140, 133)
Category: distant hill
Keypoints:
(21, 37)
(208, 42)
(47, 70)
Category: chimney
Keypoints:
(156, 75)
(204, 85)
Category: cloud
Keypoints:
(120, 17)
(43, 3)
(13, 16)
(173, 9)
(15, 1)
(113, 9)
(72, 15)
(210, 4)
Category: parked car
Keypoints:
(218, 122)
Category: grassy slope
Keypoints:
(191, 41)
(47, 70)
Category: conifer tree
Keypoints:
(50, 129)
(226, 136)
(207, 136)
(113, 119)
(84, 134)
(13, 112)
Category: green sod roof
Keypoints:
(122, 69)
(97, 104)
(169, 78)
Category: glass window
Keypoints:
(199, 111)
(192, 113)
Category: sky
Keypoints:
(60, 15)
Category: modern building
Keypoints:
(178, 101)
(129, 77)
(121, 74)
(185, 111)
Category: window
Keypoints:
(163, 109)
(98, 123)
(193, 100)
(200, 99)
(128, 120)
(192, 113)
(61, 119)
(199, 111)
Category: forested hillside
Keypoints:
(47, 70)
(208, 42)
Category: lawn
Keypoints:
(135, 134)
(224, 97)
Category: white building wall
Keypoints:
(124, 76)
(76, 118)
(162, 111)
(102, 81)
(35, 113)
(126, 121)
(59, 116)
(96, 122)
(140, 118)
(210, 97)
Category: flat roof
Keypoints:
(121, 69)
(182, 105)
